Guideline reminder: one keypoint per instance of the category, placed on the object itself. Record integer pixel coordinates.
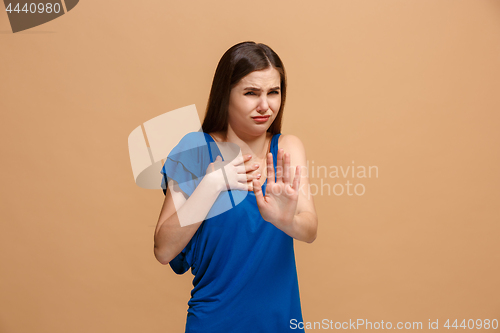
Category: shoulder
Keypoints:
(190, 154)
(291, 143)
(189, 141)
(217, 136)
(193, 137)
(190, 149)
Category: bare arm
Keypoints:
(175, 228)
(305, 220)
(181, 216)
(288, 203)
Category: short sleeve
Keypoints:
(186, 164)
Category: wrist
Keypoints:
(214, 182)
(287, 225)
(292, 225)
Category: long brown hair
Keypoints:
(239, 61)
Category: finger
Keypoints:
(279, 166)
(239, 186)
(216, 163)
(242, 178)
(296, 180)
(257, 190)
(270, 168)
(250, 178)
(241, 169)
(241, 159)
(237, 160)
(243, 187)
(251, 167)
(286, 171)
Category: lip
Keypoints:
(261, 119)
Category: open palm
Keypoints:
(280, 202)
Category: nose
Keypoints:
(263, 104)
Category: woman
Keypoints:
(232, 220)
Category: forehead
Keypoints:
(265, 78)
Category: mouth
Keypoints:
(261, 119)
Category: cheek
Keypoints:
(241, 104)
(275, 104)
(236, 101)
(236, 111)
(234, 107)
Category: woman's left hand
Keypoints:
(280, 202)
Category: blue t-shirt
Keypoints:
(245, 278)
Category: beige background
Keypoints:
(408, 86)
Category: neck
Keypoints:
(254, 145)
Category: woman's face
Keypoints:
(256, 95)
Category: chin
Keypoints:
(259, 131)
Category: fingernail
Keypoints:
(258, 175)
(255, 165)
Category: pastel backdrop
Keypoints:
(408, 87)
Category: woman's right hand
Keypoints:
(237, 171)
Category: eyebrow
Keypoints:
(258, 89)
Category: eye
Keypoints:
(250, 92)
(274, 92)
